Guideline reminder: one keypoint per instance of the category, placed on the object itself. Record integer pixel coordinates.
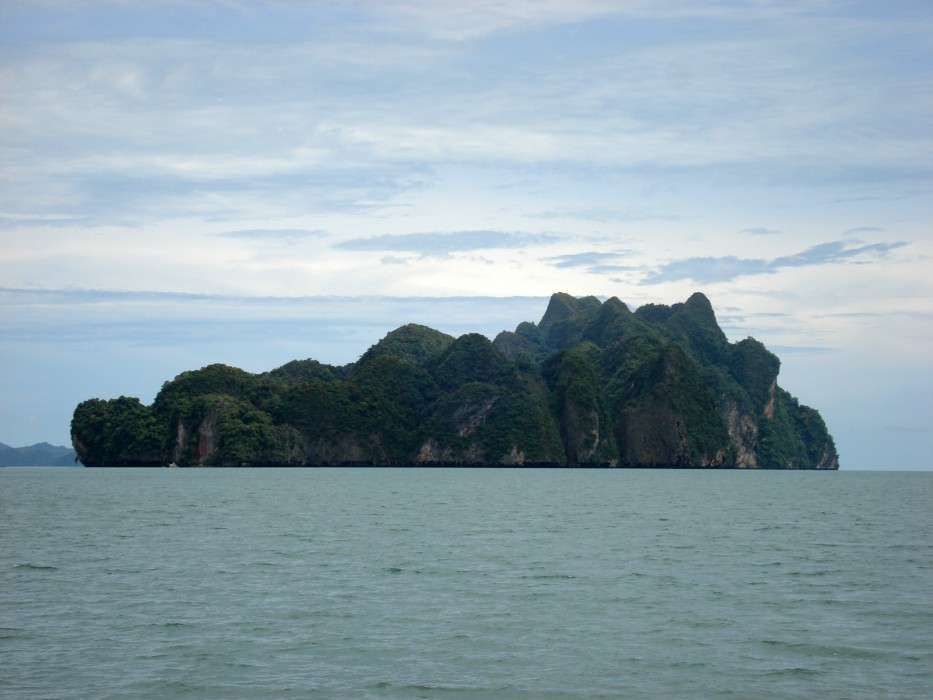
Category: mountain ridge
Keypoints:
(42, 454)
(591, 384)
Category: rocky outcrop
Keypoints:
(743, 432)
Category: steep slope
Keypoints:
(580, 406)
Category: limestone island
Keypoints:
(593, 384)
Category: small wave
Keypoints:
(170, 625)
(823, 650)
(12, 632)
(434, 690)
(395, 570)
(797, 672)
(35, 567)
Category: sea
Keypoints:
(528, 584)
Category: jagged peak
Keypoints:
(611, 323)
(698, 303)
(698, 312)
(616, 304)
(563, 306)
(560, 307)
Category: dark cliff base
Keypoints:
(456, 465)
(592, 385)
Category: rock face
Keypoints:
(594, 383)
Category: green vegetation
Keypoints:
(411, 342)
(756, 370)
(115, 433)
(592, 384)
(795, 437)
(580, 405)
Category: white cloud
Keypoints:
(444, 243)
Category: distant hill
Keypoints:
(591, 384)
(39, 455)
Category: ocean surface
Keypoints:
(457, 583)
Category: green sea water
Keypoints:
(459, 583)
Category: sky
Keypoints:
(184, 182)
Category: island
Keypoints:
(592, 384)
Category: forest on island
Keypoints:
(593, 383)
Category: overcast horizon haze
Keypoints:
(250, 182)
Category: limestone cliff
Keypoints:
(593, 383)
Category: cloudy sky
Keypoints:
(193, 181)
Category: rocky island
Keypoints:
(592, 384)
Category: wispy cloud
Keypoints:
(709, 270)
(580, 259)
(834, 252)
(393, 260)
(607, 269)
(21, 220)
(445, 243)
(605, 215)
(761, 231)
(282, 235)
(593, 261)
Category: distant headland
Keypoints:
(41, 454)
(591, 384)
